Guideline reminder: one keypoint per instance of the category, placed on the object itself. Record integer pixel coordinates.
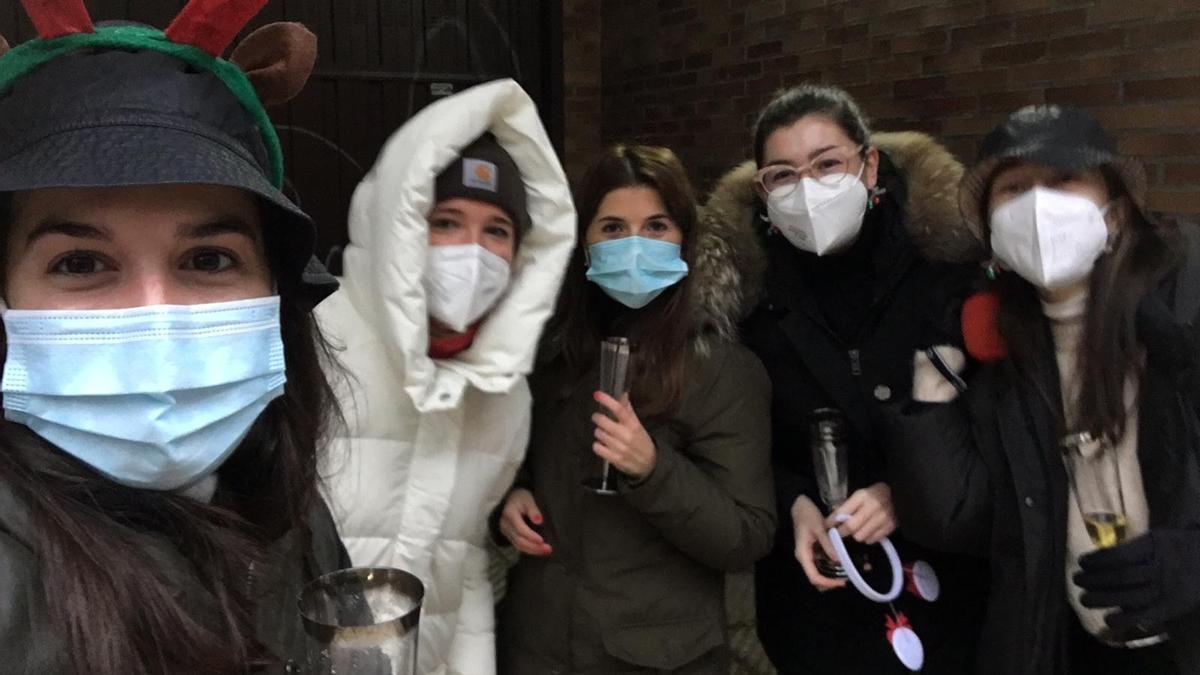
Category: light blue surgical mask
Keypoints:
(151, 397)
(635, 270)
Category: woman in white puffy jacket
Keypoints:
(459, 236)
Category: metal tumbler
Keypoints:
(362, 621)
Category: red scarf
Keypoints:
(450, 345)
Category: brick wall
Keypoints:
(692, 75)
(581, 84)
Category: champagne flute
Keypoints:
(830, 455)
(1095, 474)
(599, 477)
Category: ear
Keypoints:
(278, 58)
(871, 171)
(3, 46)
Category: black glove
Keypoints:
(1152, 579)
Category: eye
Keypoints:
(443, 223)
(658, 225)
(504, 232)
(828, 164)
(79, 263)
(209, 260)
(612, 228)
(1012, 188)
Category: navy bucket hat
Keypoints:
(1061, 137)
(122, 105)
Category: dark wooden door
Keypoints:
(380, 61)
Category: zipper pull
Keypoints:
(855, 363)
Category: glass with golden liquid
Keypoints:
(1095, 474)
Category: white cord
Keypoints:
(856, 578)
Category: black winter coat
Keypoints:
(32, 646)
(855, 352)
(984, 474)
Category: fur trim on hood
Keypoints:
(728, 221)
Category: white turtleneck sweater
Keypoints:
(1066, 325)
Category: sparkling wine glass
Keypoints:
(599, 476)
(830, 456)
(1095, 474)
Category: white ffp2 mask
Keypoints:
(1051, 238)
(462, 283)
(818, 218)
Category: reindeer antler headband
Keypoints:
(198, 36)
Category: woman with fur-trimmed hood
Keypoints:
(632, 581)
(865, 259)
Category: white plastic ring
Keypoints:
(857, 579)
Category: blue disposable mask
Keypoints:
(152, 397)
(635, 270)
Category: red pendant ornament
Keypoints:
(904, 641)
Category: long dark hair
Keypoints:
(660, 331)
(1141, 256)
(103, 590)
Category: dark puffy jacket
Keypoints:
(822, 354)
(31, 646)
(984, 475)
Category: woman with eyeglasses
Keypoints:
(863, 248)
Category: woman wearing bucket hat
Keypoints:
(864, 254)
(1071, 453)
(459, 236)
(164, 398)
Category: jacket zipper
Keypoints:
(855, 363)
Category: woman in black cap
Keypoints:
(1071, 454)
(163, 394)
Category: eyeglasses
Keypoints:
(830, 168)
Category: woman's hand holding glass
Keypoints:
(621, 440)
(870, 512)
(810, 531)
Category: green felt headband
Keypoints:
(24, 58)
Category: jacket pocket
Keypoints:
(666, 645)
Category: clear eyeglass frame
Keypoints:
(831, 169)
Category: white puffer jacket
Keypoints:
(432, 446)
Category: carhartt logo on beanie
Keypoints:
(486, 172)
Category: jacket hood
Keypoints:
(932, 218)
(386, 258)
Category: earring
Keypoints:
(992, 270)
(874, 198)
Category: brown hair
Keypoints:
(111, 601)
(1109, 352)
(660, 331)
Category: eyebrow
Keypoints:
(66, 228)
(214, 228)
(811, 156)
(820, 151)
